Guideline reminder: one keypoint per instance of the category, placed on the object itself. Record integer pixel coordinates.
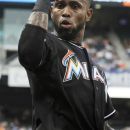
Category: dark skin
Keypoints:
(70, 17)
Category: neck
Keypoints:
(79, 37)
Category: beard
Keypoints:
(68, 34)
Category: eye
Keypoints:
(75, 5)
(60, 5)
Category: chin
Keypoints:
(66, 34)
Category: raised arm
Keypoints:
(39, 16)
(32, 49)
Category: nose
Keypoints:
(66, 12)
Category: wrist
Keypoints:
(42, 5)
(39, 19)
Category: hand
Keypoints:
(42, 5)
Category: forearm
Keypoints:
(31, 49)
(39, 16)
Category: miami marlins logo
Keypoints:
(73, 66)
(76, 68)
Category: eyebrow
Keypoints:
(79, 1)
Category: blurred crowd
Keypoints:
(15, 119)
(126, 44)
(104, 53)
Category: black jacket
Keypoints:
(69, 91)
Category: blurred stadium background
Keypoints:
(107, 39)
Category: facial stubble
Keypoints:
(68, 34)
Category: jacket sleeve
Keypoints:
(109, 109)
(32, 49)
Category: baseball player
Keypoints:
(69, 92)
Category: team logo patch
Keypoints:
(73, 66)
(76, 68)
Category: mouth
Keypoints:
(66, 24)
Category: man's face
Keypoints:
(70, 16)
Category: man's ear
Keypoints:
(89, 14)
